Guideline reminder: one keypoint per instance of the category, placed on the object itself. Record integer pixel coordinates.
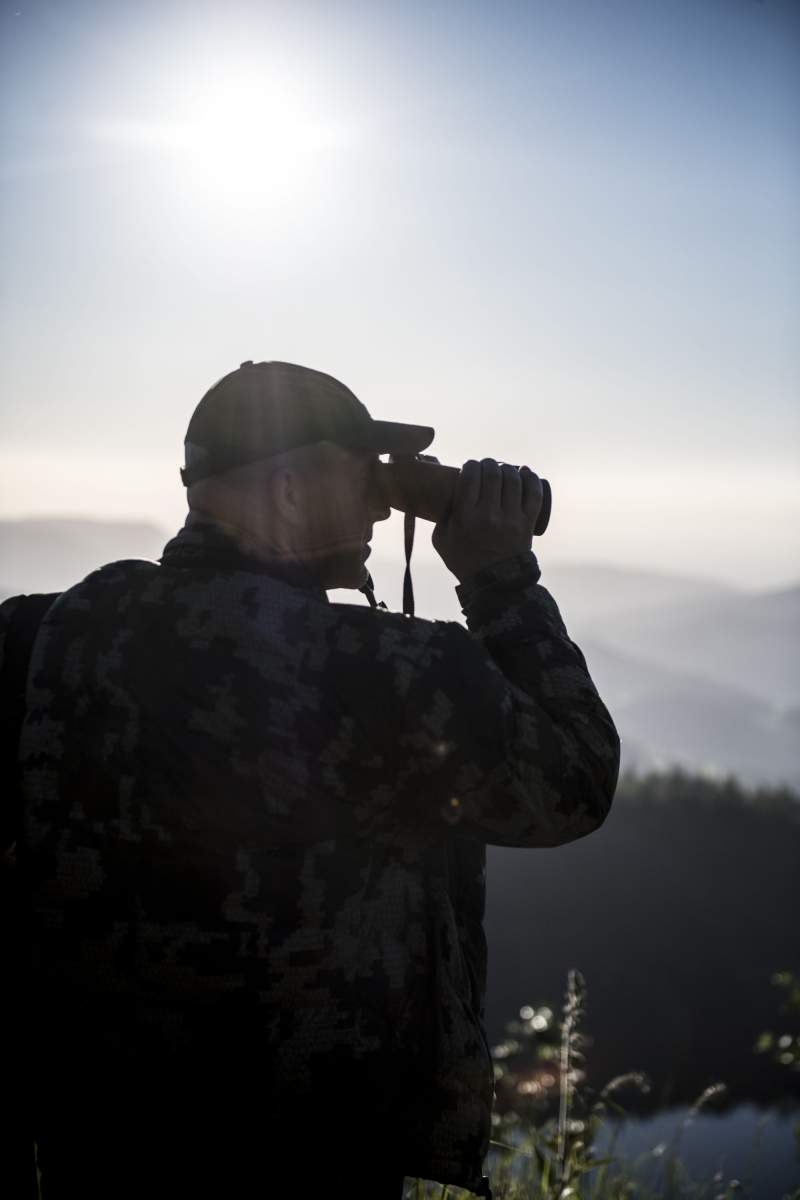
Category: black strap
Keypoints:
(368, 588)
(22, 629)
(408, 590)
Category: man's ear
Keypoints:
(284, 496)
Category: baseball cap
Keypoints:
(266, 408)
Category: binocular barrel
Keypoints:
(426, 489)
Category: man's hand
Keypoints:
(492, 517)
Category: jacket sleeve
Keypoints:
(497, 729)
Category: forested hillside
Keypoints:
(677, 911)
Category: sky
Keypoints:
(563, 233)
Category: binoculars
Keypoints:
(419, 486)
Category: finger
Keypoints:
(491, 485)
(512, 490)
(532, 493)
(469, 487)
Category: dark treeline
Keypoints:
(678, 912)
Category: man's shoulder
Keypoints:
(382, 621)
(196, 603)
(107, 593)
(110, 579)
(387, 626)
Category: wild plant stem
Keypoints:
(563, 1104)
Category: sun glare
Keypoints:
(254, 139)
(250, 139)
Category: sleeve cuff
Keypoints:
(510, 572)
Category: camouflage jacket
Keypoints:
(250, 810)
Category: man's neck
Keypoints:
(207, 542)
(259, 548)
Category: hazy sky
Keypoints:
(563, 233)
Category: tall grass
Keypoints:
(555, 1158)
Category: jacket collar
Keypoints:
(205, 544)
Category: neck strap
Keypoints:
(408, 588)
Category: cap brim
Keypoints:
(393, 437)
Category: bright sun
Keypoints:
(250, 139)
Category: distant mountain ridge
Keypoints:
(749, 641)
(666, 716)
(48, 554)
(596, 590)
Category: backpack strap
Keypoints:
(23, 626)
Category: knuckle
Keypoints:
(490, 464)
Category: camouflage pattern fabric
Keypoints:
(255, 828)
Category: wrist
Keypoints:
(519, 569)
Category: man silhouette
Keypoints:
(255, 822)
